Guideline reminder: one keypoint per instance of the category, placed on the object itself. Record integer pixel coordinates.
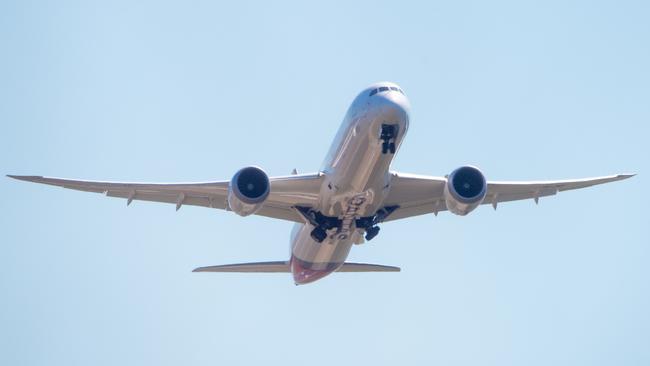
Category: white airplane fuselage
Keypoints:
(357, 180)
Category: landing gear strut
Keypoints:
(388, 135)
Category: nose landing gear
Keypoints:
(387, 147)
(388, 135)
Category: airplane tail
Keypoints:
(284, 267)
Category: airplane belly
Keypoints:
(360, 166)
(311, 260)
(319, 254)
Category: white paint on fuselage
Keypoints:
(357, 178)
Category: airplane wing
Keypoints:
(419, 194)
(285, 192)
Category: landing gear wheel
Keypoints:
(385, 147)
(371, 232)
(318, 234)
(387, 132)
(387, 136)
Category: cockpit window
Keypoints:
(385, 88)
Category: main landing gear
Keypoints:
(388, 135)
(323, 223)
(370, 223)
(320, 222)
(371, 232)
(319, 234)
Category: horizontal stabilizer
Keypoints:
(259, 267)
(283, 266)
(365, 267)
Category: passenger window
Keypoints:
(373, 92)
(383, 89)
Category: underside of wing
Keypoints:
(418, 194)
(285, 192)
(513, 191)
(415, 195)
(207, 194)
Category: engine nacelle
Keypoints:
(248, 190)
(465, 189)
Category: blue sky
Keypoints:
(194, 90)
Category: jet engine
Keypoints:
(465, 189)
(248, 190)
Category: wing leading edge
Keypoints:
(419, 194)
(286, 192)
(414, 194)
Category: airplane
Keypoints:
(345, 201)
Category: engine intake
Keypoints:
(248, 190)
(465, 189)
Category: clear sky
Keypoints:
(194, 90)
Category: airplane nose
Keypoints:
(393, 105)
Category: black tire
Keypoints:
(371, 232)
(388, 131)
(318, 234)
(385, 147)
